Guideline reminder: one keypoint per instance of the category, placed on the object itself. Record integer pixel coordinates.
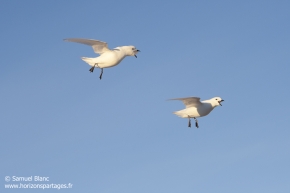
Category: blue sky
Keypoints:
(119, 134)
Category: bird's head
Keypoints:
(130, 50)
(216, 101)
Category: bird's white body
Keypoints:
(109, 58)
(196, 108)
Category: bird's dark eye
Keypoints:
(215, 99)
(133, 48)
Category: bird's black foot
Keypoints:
(92, 69)
(101, 73)
(189, 122)
(196, 122)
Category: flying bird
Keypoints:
(195, 108)
(108, 58)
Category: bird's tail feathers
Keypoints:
(89, 61)
(178, 113)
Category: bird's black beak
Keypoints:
(220, 102)
(137, 51)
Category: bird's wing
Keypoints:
(98, 46)
(190, 101)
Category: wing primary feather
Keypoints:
(98, 46)
(189, 101)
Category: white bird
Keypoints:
(108, 58)
(196, 108)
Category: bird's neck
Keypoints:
(209, 102)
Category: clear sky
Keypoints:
(118, 134)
